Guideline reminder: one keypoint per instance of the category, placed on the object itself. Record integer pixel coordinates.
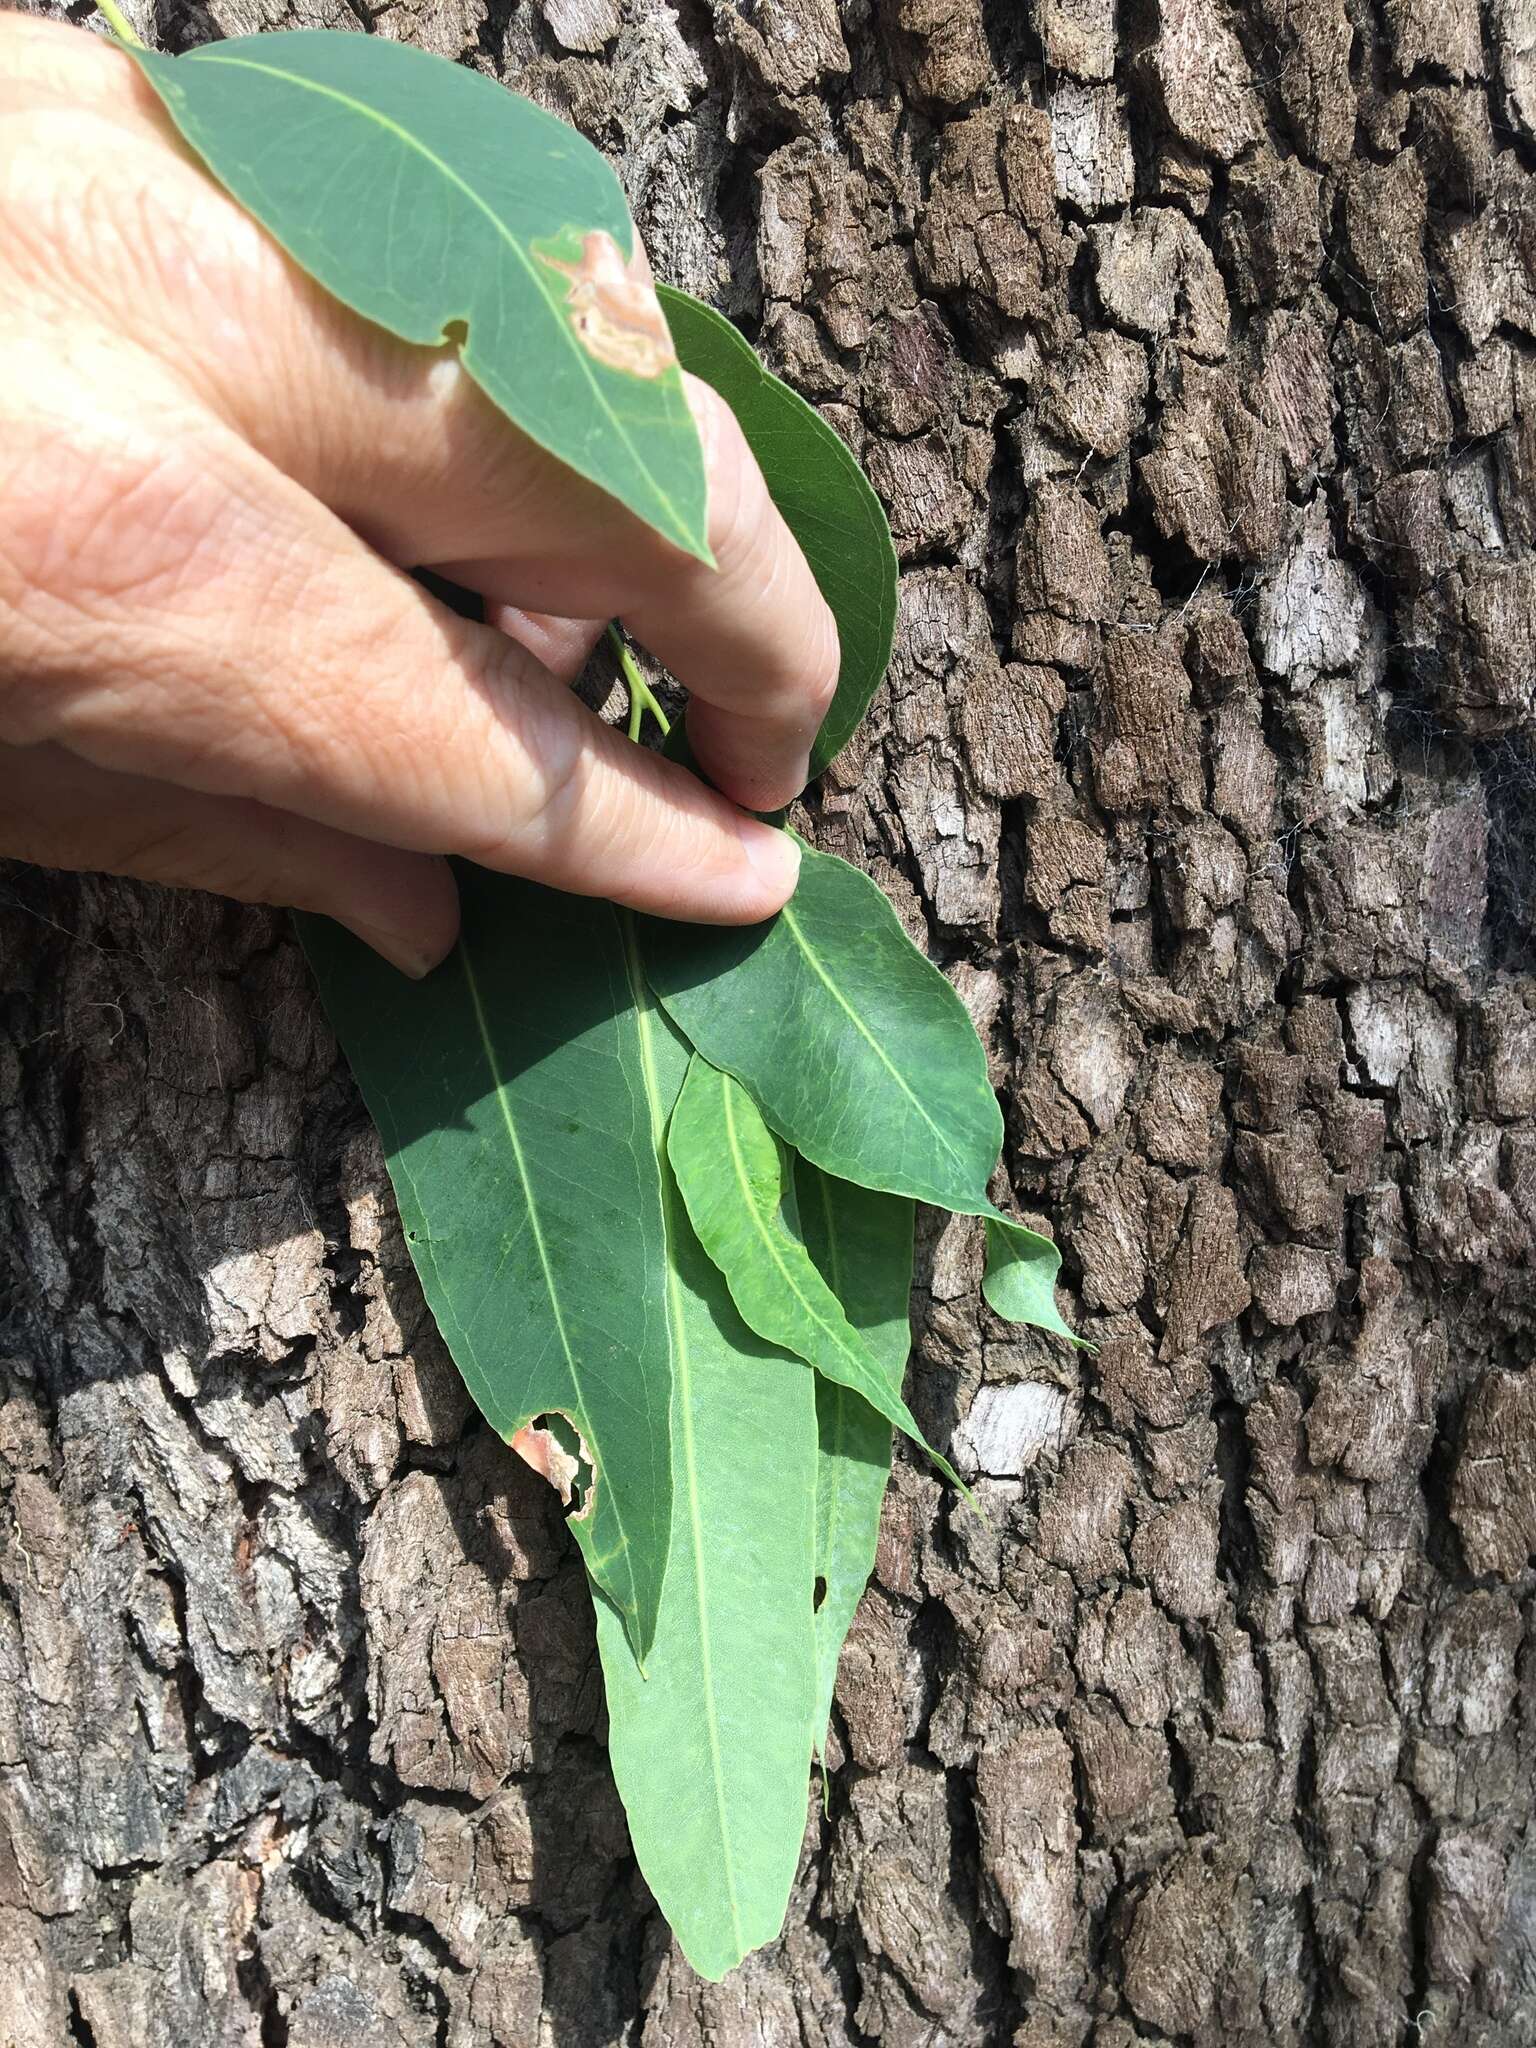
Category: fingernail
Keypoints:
(774, 856)
(408, 954)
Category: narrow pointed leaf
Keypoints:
(509, 1091)
(862, 1245)
(736, 1179)
(858, 1053)
(824, 496)
(430, 199)
(711, 1748)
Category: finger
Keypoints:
(50, 62)
(283, 661)
(752, 638)
(755, 643)
(563, 646)
(62, 812)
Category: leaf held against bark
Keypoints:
(858, 1053)
(823, 495)
(605, 1223)
(737, 1179)
(711, 1748)
(520, 1141)
(430, 200)
(1020, 1278)
(862, 1245)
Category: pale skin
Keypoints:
(214, 669)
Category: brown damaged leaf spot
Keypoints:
(555, 1448)
(614, 314)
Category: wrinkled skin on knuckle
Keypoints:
(102, 212)
(69, 544)
(100, 218)
(100, 201)
(105, 515)
(106, 221)
(132, 587)
(42, 61)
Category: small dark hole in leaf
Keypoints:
(456, 332)
(818, 1596)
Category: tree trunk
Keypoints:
(1195, 359)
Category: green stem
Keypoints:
(119, 23)
(640, 697)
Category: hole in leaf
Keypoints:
(818, 1595)
(553, 1447)
(456, 332)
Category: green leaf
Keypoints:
(711, 1748)
(1020, 1280)
(436, 203)
(510, 1093)
(825, 499)
(859, 1054)
(862, 1245)
(736, 1180)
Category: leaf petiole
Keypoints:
(119, 23)
(641, 699)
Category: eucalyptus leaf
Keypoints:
(862, 1245)
(510, 1093)
(859, 1054)
(737, 1179)
(823, 495)
(438, 204)
(711, 1748)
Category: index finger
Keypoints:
(753, 639)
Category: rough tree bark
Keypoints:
(1194, 354)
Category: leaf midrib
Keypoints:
(488, 1047)
(833, 1451)
(360, 107)
(682, 1370)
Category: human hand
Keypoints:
(213, 668)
